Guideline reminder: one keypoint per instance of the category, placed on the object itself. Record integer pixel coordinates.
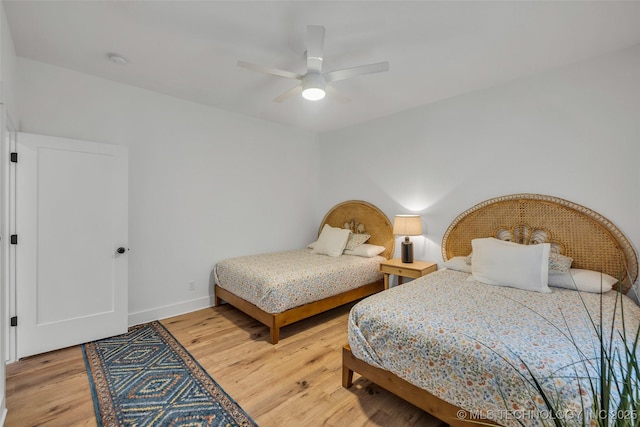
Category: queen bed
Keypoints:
(461, 349)
(281, 288)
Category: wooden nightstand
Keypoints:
(414, 269)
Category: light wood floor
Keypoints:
(297, 382)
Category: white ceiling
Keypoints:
(436, 49)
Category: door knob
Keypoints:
(121, 250)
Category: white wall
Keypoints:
(572, 133)
(204, 184)
(7, 107)
(7, 66)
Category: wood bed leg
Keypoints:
(347, 373)
(347, 377)
(217, 301)
(274, 331)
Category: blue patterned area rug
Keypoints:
(147, 378)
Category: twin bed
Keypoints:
(457, 348)
(281, 288)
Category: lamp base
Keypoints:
(407, 250)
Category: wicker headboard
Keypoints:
(590, 239)
(363, 217)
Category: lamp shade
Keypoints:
(407, 225)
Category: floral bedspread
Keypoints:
(278, 281)
(470, 343)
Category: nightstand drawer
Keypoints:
(406, 272)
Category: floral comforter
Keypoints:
(470, 343)
(278, 281)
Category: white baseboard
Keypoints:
(159, 313)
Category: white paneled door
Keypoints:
(71, 251)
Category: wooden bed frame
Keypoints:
(352, 213)
(590, 239)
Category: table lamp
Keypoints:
(407, 225)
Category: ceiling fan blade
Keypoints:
(288, 94)
(347, 73)
(268, 70)
(315, 47)
(335, 94)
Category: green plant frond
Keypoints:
(583, 419)
(506, 404)
(573, 341)
(631, 352)
(552, 408)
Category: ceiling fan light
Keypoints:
(313, 85)
(313, 94)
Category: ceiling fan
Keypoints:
(314, 84)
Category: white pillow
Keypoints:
(557, 262)
(332, 241)
(366, 250)
(500, 263)
(583, 280)
(312, 245)
(458, 263)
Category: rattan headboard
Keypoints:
(590, 239)
(363, 217)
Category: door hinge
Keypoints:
(14, 239)
(14, 158)
(14, 321)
